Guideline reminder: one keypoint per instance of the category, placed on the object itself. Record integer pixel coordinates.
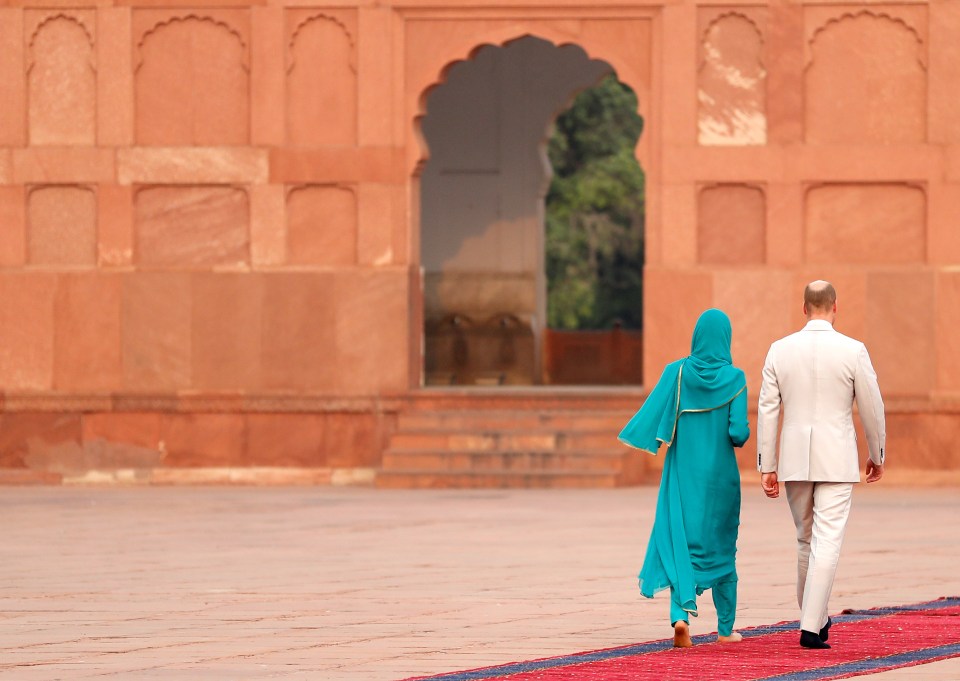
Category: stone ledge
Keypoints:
(193, 403)
(188, 165)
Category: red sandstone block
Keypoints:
(375, 66)
(226, 340)
(267, 76)
(286, 440)
(376, 222)
(13, 86)
(137, 430)
(6, 167)
(156, 331)
(353, 440)
(26, 330)
(299, 333)
(901, 324)
(63, 165)
(196, 226)
(202, 439)
(337, 164)
(115, 74)
(371, 339)
(26, 437)
(13, 234)
(87, 353)
(947, 312)
(114, 226)
(268, 220)
(760, 304)
(673, 299)
(186, 165)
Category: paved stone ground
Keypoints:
(349, 584)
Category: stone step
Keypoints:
(513, 420)
(569, 462)
(510, 441)
(439, 479)
(527, 398)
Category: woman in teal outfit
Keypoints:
(698, 409)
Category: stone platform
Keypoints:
(346, 584)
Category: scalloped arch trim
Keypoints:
(183, 20)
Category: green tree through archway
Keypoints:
(595, 212)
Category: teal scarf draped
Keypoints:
(704, 381)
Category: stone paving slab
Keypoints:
(347, 584)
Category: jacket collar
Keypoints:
(818, 325)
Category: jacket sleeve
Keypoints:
(870, 404)
(768, 416)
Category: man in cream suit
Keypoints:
(815, 375)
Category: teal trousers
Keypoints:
(724, 600)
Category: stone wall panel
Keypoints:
(13, 226)
(286, 440)
(191, 440)
(857, 92)
(901, 330)
(62, 226)
(321, 226)
(226, 343)
(26, 330)
(869, 223)
(62, 78)
(731, 82)
(731, 225)
(13, 89)
(156, 331)
(299, 320)
(192, 79)
(322, 79)
(194, 226)
(87, 356)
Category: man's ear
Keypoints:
(805, 313)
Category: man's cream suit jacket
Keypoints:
(816, 374)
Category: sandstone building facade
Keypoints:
(211, 216)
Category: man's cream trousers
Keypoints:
(820, 511)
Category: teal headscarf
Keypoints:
(704, 381)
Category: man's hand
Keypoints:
(768, 481)
(874, 471)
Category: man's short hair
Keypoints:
(819, 295)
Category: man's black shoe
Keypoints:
(808, 639)
(825, 632)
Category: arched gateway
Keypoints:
(235, 291)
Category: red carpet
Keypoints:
(864, 642)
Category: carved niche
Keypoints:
(192, 83)
(731, 225)
(731, 83)
(62, 225)
(198, 226)
(322, 81)
(866, 81)
(865, 224)
(321, 225)
(62, 80)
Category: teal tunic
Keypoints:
(693, 544)
(699, 410)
